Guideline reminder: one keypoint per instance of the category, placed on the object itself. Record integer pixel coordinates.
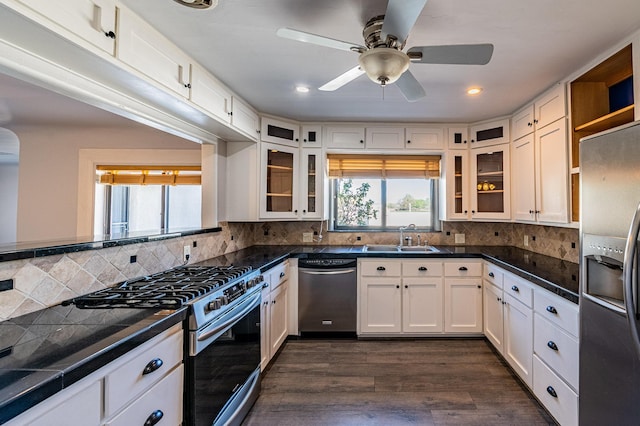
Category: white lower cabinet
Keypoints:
(508, 321)
(463, 296)
(556, 355)
(418, 296)
(120, 393)
(274, 312)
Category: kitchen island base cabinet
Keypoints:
(134, 398)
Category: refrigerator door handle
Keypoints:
(630, 276)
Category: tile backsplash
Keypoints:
(46, 281)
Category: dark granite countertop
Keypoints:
(556, 275)
(43, 352)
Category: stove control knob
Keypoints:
(216, 304)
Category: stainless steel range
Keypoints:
(223, 364)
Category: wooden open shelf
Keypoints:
(614, 119)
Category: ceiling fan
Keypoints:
(382, 58)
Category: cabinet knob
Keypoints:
(273, 302)
(282, 274)
(515, 288)
(296, 211)
(465, 141)
(491, 274)
(462, 268)
(529, 124)
(397, 286)
(499, 299)
(422, 268)
(304, 212)
(479, 286)
(504, 303)
(406, 286)
(154, 418)
(473, 140)
(552, 310)
(473, 212)
(552, 345)
(530, 211)
(188, 85)
(110, 34)
(361, 141)
(152, 366)
(304, 140)
(465, 212)
(535, 121)
(551, 391)
(381, 268)
(408, 141)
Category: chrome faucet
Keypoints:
(404, 228)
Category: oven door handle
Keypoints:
(224, 323)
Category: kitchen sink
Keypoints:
(396, 248)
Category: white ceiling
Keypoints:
(537, 43)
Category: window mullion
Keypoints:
(383, 201)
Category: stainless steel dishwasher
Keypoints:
(327, 296)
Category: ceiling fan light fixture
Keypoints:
(474, 91)
(383, 65)
(198, 4)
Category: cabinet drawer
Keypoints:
(380, 268)
(421, 268)
(564, 405)
(278, 275)
(165, 396)
(493, 274)
(559, 311)
(556, 348)
(463, 269)
(127, 381)
(519, 289)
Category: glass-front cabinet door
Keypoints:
(490, 183)
(457, 179)
(280, 180)
(311, 189)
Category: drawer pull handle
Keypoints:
(491, 274)
(515, 288)
(154, 418)
(552, 345)
(552, 391)
(153, 365)
(422, 268)
(552, 310)
(282, 274)
(462, 268)
(381, 268)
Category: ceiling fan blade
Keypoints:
(343, 79)
(460, 54)
(319, 40)
(410, 87)
(400, 17)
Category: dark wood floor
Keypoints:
(392, 382)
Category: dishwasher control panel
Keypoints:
(327, 263)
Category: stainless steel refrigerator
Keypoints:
(610, 221)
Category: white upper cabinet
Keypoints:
(279, 131)
(344, 137)
(142, 47)
(458, 138)
(545, 110)
(490, 185)
(489, 133)
(244, 118)
(424, 138)
(384, 137)
(92, 20)
(210, 94)
(311, 136)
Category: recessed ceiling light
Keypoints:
(474, 91)
(302, 89)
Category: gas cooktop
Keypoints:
(166, 290)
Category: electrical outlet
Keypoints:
(459, 238)
(526, 240)
(186, 252)
(307, 237)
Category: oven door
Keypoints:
(223, 377)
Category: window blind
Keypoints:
(148, 175)
(359, 166)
